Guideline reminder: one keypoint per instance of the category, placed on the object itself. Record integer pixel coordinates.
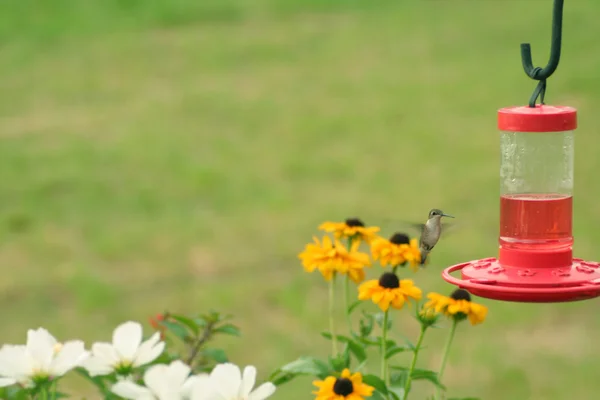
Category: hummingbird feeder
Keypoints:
(535, 263)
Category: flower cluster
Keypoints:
(128, 367)
(342, 255)
(138, 367)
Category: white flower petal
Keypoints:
(149, 350)
(263, 391)
(156, 379)
(106, 352)
(70, 355)
(203, 388)
(248, 381)
(203, 380)
(127, 338)
(40, 345)
(7, 381)
(97, 366)
(102, 361)
(130, 390)
(14, 361)
(226, 379)
(177, 373)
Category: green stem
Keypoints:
(347, 294)
(384, 330)
(445, 356)
(331, 315)
(414, 362)
(347, 301)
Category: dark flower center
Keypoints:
(400, 238)
(343, 387)
(461, 294)
(352, 222)
(389, 280)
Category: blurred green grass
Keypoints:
(178, 155)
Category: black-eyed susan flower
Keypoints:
(347, 387)
(352, 228)
(396, 251)
(330, 257)
(458, 306)
(389, 290)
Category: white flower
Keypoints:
(42, 358)
(126, 351)
(163, 382)
(227, 383)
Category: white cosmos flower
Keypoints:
(125, 352)
(42, 358)
(226, 382)
(163, 382)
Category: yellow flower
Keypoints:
(352, 228)
(458, 306)
(396, 251)
(332, 256)
(389, 290)
(347, 387)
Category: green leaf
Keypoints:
(353, 306)
(358, 351)
(366, 324)
(307, 366)
(340, 338)
(355, 347)
(376, 382)
(228, 329)
(341, 361)
(377, 396)
(280, 380)
(14, 393)
(218, 355)
(369, 341)
(193, 326)
(398, 379)
(176, 329)
(392, 351)
(421, 374)
(397, 393)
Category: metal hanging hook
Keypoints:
(541, 74)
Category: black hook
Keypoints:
(538, 73)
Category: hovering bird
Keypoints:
(430, 232)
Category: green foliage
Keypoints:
(194, 334)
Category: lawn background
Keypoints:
(179, 154)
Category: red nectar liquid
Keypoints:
(536, 221)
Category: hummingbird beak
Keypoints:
(447, 215)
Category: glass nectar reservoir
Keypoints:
(536, 185)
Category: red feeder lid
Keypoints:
(541, 118)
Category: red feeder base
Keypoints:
(488, 279)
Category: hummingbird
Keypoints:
(430, 232)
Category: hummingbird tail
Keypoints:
(424, 255)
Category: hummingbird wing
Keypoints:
(412, 228)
